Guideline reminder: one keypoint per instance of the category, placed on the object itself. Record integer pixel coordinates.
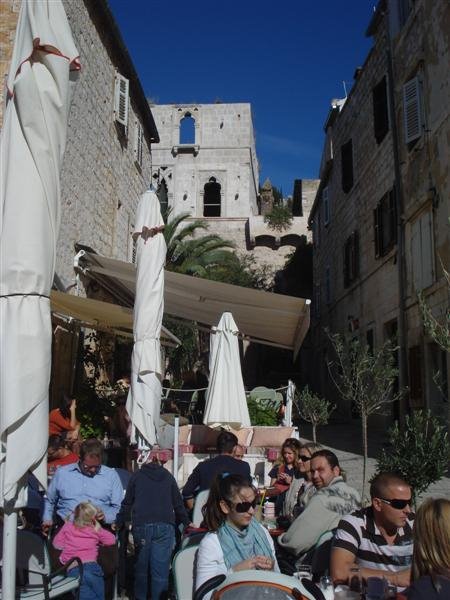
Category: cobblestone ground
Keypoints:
(345, 440)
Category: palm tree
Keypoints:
(193, 255)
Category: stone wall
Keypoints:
(370, 304)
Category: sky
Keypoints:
(288, 58)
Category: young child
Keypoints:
(154, 504)
(82, 538)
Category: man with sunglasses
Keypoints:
(377, 539)
(86, 480)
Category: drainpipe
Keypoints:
(401, 258)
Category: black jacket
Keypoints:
(152, 497)
(204, 473)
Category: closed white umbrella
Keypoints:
(226, 403)
(31, 151)
(144, 398)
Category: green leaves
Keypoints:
(419, 453)
(280, 218)
(313, 409)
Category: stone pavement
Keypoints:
(345, 440)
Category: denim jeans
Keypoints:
(92, 586)
(153, 544)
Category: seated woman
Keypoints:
(64, 420)
(301, 488)
(431, 554)
(283, 472)
(58, 454)
(236, 541)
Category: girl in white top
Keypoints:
(236, 541)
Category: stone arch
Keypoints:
(187, 129)
(212, 198)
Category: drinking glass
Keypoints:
(355, 580)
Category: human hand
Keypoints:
(401, 579)
(100, 516)
(264, 563)
(286, 478)
(46, 526)
(73, 404)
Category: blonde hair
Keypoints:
(431, 533)
(84, 514)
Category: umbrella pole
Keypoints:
(9, 552)
(176, 438)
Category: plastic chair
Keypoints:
(247, 585)
(200, 501)
(183, 572)
(35, 580)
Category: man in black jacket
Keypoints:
(204, 473)
(154, 505)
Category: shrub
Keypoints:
(280, 218)
(419, 452)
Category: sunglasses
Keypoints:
(304, 458)
(396, 503)
(90, 470)
(243, 507)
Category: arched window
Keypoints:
(211, 198)
(163, 197)
(187, 129)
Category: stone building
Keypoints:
(206, 165)
(107, 162)
(380, 219)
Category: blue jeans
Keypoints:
(153, 544)
(92, 586)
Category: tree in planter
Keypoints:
(419, 452)
(313, 409)
(364, 379)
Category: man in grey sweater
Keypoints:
(333, 499)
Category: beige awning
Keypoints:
(263, 317)
(102, 316)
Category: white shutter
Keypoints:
(138, 143)
(412, 110)
(121, 99)
(426, 223)
(415, 255)
(326, 206)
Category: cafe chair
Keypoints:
(35, 580)
(183, 572)
(199, 503)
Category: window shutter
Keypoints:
(326, 206)
(415, 377)
(377, 229)
(138, 144)
(412, 110)
(355, 255)
(347, 166)
(328, 285)
(121, 99)
(380, 110)
(427, 250)
(346, 263)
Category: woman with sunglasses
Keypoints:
(301, 488)
(431, 554)
(236, 541)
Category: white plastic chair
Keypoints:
(200, 501)
(247, 585)
(35, 580)
(183, 572)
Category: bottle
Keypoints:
(105, 441)
(327, 587)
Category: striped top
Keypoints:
(359, 534)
